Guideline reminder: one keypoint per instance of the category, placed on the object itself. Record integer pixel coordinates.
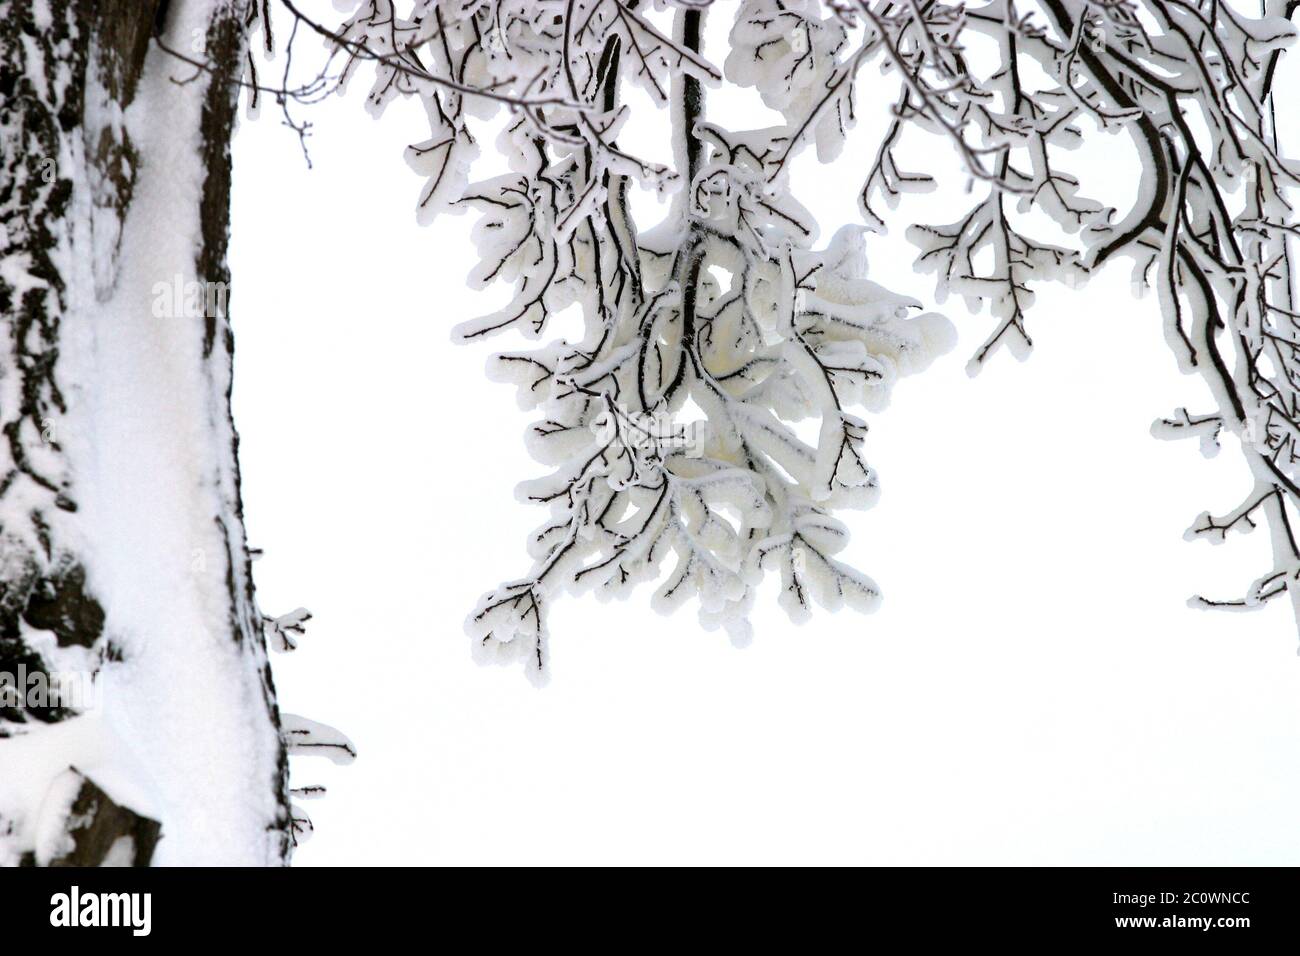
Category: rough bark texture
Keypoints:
(41, 580)
(68, 172)
(101, 832)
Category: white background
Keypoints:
(1033, 690)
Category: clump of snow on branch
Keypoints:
(669, 426)
(729, 308)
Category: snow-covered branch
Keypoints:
(1190, 83)
(726, 316)
(671, 425)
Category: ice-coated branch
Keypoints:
(282, 632)
(1190, 83)
(670, 425)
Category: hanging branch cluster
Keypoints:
(725, 311)
(669, 425)
(1189, 83)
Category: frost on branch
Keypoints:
(282, 632)
(725, 318)
(1190, 86)
(303, 737)
(1183, 425)
(707, 424)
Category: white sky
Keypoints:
(1033, 690)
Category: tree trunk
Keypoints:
(122, 548)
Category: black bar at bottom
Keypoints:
(667, 908)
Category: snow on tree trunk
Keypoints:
(123, 552)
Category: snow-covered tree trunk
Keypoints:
(124, 572)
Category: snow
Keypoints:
(52, 836)
(121, 853)
(152, 492)
(184, 708)
(183, 734)
(1031, 691)
(36, 768)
